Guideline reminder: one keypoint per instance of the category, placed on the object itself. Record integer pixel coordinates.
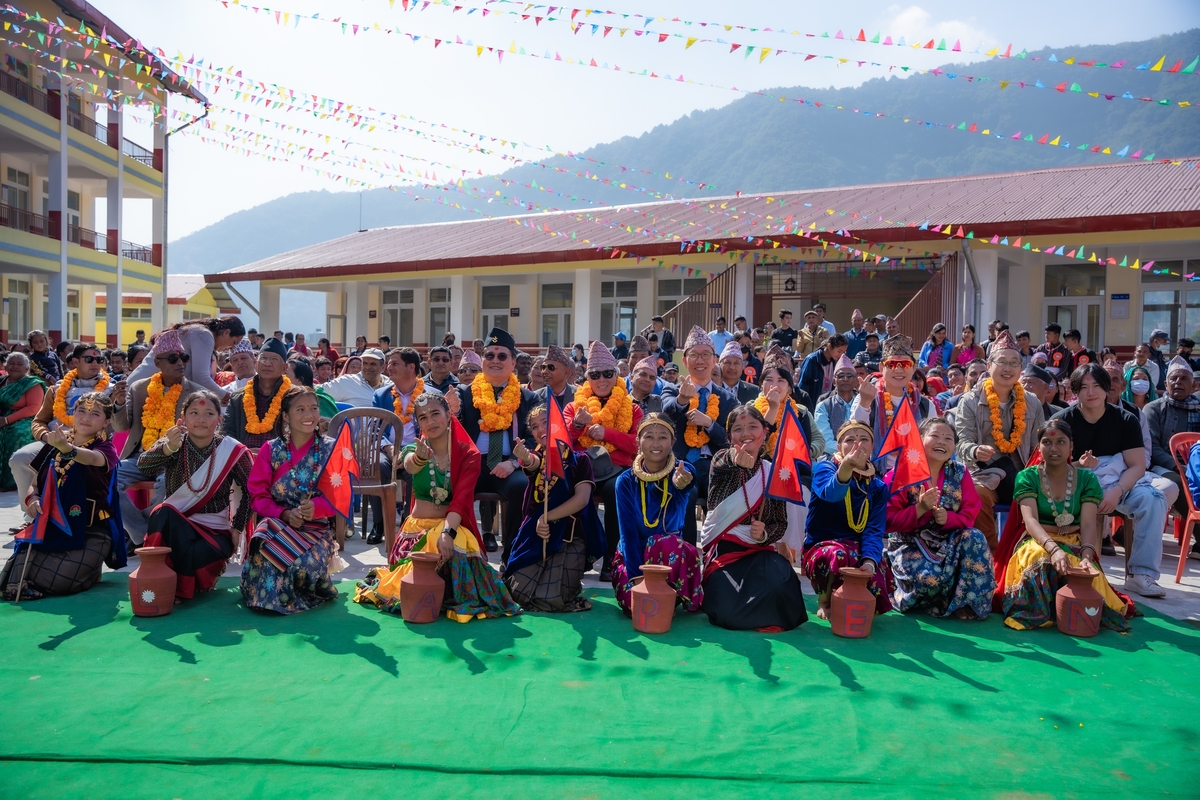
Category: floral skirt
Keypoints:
(1031, 583)
(942, 574)
(668, 550)
(301, 585)
(474, 589)
(823, 562)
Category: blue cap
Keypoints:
(619, 335)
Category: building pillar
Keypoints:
(158, 317)
(335, 329)
(421, 319)
(462, 307)
(37, 313)
(115, 225)
(356, 297)
(268, 309)
(743, 295)
(56, 323)
(87, 314)
(646, 300)
(158, 206)
(587, 305)
(987, 265)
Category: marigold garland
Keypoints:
(763, 406)
(1010, 444)
(694, 435)
(888, 408)
(158, 412)
(267, 423)
(493, 415)
(405, 414)
(615, 415)
(64, 386)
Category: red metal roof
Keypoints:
(1071, 200)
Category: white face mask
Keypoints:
(1140, 387)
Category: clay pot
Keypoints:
(152, 584)
(653, 601)
(422, 589)
(1078, 606)
(852, 607)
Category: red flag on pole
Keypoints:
(903, 439)
(334, 482)
(791, 450)
(558, 441)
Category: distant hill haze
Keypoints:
(758, 144)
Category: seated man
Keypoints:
(1177, 411)
(254, 409)
(731, 368)
(359, 389)
(833, 409)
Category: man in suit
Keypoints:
(699, 422)
(171, 362)
(500, 472)
(642, 382)
(732, 366)
(558, 373)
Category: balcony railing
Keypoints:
(137, 252)
(12, 217)
(38, 225)
(137, 152)
(83, 237)
(87, 125)
(11, 85)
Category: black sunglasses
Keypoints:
(598, 374)
(495, 356)
(549, 367)
(442, 360)
(92, 359)
(174, 358)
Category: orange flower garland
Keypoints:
(405, 414)
(1006, 445)
(763, 406)
(694, 435)
(267, 423)
(616, 414)
(888, 407)
(64, 386)
(158, 412)
(493, 415)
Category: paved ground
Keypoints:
(1182, 600)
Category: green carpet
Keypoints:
(216, 701)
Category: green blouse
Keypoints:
(1087, 490)
(423, 482)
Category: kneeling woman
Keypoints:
(747, 584)
(287, 563)
(206, 475)
(77, 525)
(846, 520)
(444, 465)
(552, 550)
(1058, 508)
(941, 562)
(651, 504)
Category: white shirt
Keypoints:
(354, 390)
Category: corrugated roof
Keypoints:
(1070, 200)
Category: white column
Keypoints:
(421, 318)
(462, 307)
(987, 264)
(115, 225)
(87, 312)
(157, 205)
(36, 315)
(646, 299)
(587, 306)
(356, 311)
(158, 319)
(743, 295)
(268, 309)
(56, 324)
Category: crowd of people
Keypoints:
(669, 465)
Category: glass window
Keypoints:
(391, 297)
(1160, 310)
(557, 295)
(439, 296)
(494, 297)
(1191, 315)
(1162, 271)
(1074, 280)
(618, 289)
(406, 297)
(693, 285)
(669, 288)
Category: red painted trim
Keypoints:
(156, 255)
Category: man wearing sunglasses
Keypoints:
(497, 389)
(171, 362)
(440, 377)
(558, 375)
(702, 422)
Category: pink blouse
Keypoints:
(902, 515)
(262, 478)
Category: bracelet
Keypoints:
(70, 454)
(420, 462)
(168, 450)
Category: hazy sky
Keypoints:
(549, 102)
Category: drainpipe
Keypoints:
(166, 204)
(977, 306)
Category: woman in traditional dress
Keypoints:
(940, 560)
(286, 569)
(777, 383)
(77, 519)
(967, 350)
(846, 520)
(603, 414)
(207, 475)
(553, 548)
(444, 464)
(652, 501)
(748, 584)
(21, 396)
(1058, 508)
(936, 351)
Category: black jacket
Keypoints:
(469, 415)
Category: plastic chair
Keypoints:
(366, 429)
(1181, 448)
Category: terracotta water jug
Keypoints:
(152, 584)
(653, 601)
(1078, 606)
(421, 590)
(852, 608)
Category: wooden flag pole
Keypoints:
(24, 569)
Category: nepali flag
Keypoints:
(558, 441)
(903, 439)
(791, 450)
(334, 482)
(51, 514)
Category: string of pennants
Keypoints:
(286, 18)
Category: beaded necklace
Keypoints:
(1058, 507)
(439, 493)
(653, 477)
(187, 469)
(859, 525)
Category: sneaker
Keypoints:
(489, 542)
(1195, 554)
(1144, 585)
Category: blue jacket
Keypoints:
(827, 510)
(927, 352)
